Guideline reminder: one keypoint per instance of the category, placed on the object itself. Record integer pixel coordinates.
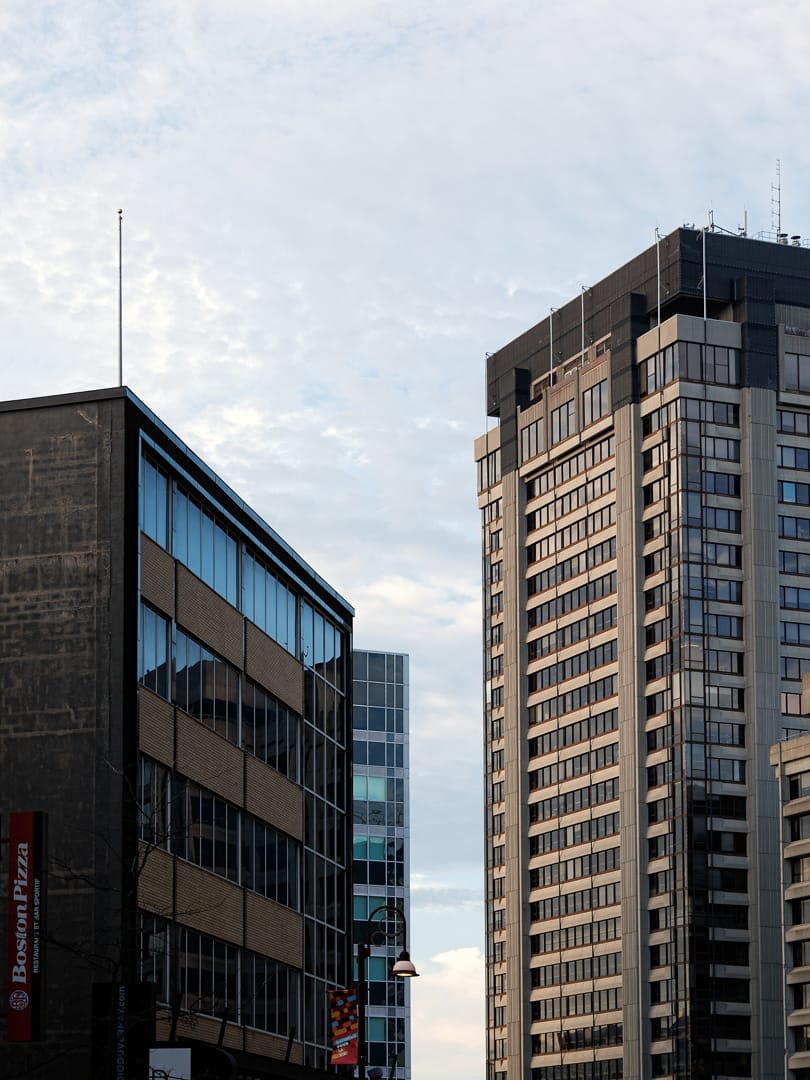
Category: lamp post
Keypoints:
(403, 969)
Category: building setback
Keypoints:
(174, 693)
(382, 848)
(646, 553)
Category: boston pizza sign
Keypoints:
(27, 889)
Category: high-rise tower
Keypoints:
(381, 848)
(645, 500)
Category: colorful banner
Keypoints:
(345, 1027)
(27, 893)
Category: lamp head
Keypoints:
(403, 967)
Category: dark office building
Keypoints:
(174, 693)
(645, 501)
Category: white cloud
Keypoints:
(446, 1003)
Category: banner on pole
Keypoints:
(345, 1027)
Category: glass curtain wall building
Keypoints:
(381, 845)
(644, 497)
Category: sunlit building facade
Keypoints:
(381, 848)
(645, 495)
(791, 760)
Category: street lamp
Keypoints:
(403, 969)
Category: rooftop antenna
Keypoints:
(657, 236)
(120, 301)
(776, 202)
(585, 289)
(702, 281)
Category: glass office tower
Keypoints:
(381, 858)
(646, 587)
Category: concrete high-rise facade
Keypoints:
(791, 759)
(174, 683)
(645, 501)
(382, 849)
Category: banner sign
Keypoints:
(345, 1028)
(123, 1030)
(27, 894)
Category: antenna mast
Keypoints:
(776, 202)
(120, 302)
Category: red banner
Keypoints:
(345, 1028)
(27, 889)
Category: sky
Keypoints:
(333, 209)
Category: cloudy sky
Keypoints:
(332, 210)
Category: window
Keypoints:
(154, 670)
(722, 554)
(270, 730)
(789, 491)
(193, 823)
(791, 598)
(690, 360)
(598, 690)
(714, 412)
(791, 704)
(559, 474)
(203, 545)
(532, 440)
(797, 373)
(727, 626)
(582, 662)
(579, 731)
(717, 483)
(792, 668)
(595, 403)
(794, 562)
(206, 686)
(793, 457)
(728, 592)
(794, 423)
(730, 770)
(154, 502)
(562, 422)
(721, 449)
(715, 517)
(791, 633)
(271, 604)
(489, 470)
(794, 528)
